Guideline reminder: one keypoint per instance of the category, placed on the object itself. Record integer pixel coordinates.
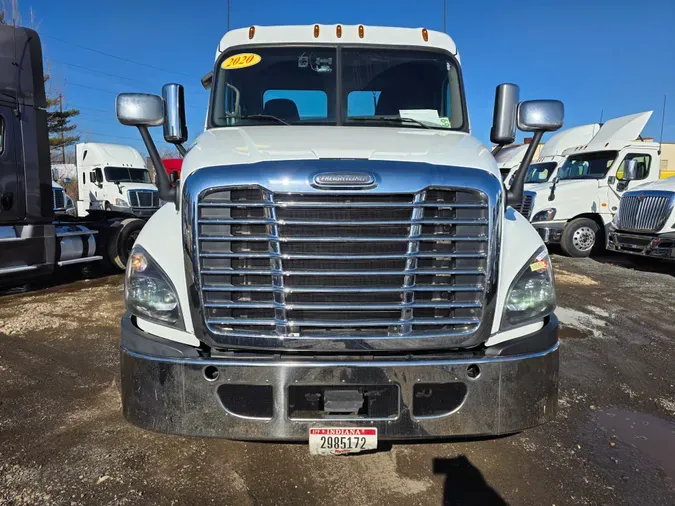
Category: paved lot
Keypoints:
(64, 441)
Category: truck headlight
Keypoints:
(148, 292)
(532, 295)
(121, 203)
(545, 215)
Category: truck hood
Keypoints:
(137, 186)
(234, 145)
(667, 184)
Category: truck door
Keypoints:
(11, 199)
(618, 186)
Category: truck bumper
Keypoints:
(551, 233)
(167, 388)
(651, 245)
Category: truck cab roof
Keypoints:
(329, 34)
(108, 155)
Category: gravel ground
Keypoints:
(63, 440)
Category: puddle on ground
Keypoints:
(565, 332)
(655, 437)
(579, 324)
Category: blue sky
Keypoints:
(595, 55)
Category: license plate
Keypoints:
(340, 441)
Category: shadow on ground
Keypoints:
(464, 484)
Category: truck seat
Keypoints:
(283, 108)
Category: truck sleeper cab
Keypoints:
(338, 251)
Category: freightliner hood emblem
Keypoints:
(344, 180)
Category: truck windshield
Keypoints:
(126, 175)
(587, 165)
(540, 172)
(317, 85)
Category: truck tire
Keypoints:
(580, 237)
(121, 240)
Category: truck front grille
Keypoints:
(327, 265)
(644, 212)
(59, 199)
(143, 198)
(526, 205)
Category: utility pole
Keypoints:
(63, 145)
(445, 16)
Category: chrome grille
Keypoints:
(143, 198)
(327, 265)
(526, 205)
(59, 199)
(644, 211)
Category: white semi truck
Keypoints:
(645, 223)
(550, 157)
(509, 159)
(339, 261)
(114, 177)
(575, 208)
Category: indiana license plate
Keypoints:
(340, 441)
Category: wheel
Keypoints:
(121, 240)
(580, 237)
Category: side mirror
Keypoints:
(175, 128)
(207, 81)
(629, 170)
(536, 116)
(173, 177)
(143, 110)
(540, 115)
(503, 130)
(139, 109)
(556, 180)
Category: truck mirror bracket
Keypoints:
(166, 191)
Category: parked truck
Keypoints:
(33, 239)
(575, 208)
(645, 223)
(340, 261)
(550, 158)
(508, 161)
(114, 177)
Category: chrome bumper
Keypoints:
(651, 245)
(550, 233)
(172, 393)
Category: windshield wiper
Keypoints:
(267, 117)
(391, 119)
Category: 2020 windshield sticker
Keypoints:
(241, 60)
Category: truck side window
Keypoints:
(643, 164)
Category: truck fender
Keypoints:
(119, 241)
